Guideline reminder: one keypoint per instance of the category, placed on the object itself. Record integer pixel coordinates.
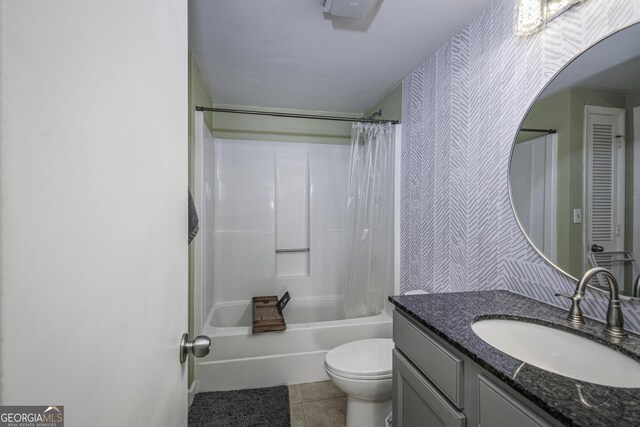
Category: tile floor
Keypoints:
(318, 404)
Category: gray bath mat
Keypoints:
(255, 407)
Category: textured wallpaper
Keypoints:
(461, 111)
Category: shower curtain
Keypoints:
(370, 215)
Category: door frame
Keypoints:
(620, 177)
(636, 177)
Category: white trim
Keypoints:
(198, 241)
(396, 211)
(387, 306)
(636, 179)
(605, 111)
(191, 393)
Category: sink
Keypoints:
(560, 352)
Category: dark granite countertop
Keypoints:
(572, 402)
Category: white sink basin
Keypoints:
(560, 352)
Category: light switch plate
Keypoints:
(577, 216)
(349, 8)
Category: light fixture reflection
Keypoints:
(529, 16)
(532, 15)
(556, 7)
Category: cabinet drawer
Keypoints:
(441, 366)
(498, 409)
(416, 402)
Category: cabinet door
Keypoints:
(499, 409)
(416, 402)
(439, 365)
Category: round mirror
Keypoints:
(574, 168)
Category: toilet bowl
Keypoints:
(362, 369)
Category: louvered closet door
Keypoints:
(604, 204)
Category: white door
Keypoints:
(604, 186)
(93, 214)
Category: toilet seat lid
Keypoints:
(363, 359)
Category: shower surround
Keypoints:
(264, 199)
(257, 201)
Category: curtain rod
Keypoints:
(297, 116)
(549, 131)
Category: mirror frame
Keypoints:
(513, 145)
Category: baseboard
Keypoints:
(192, 392)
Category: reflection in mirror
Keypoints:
(573, 166)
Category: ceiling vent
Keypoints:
(349, 8)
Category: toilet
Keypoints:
(362, 369)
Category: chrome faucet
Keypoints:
(615, 322)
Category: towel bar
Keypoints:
(281, 251)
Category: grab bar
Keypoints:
(282, 251)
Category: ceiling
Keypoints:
(621, 78)
(288, 54)
(612, 64)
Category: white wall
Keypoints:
(256, 208)
(93, 180)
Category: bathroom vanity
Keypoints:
(444, 374)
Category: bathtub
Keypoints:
(315, 325)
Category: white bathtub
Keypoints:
(239, 359)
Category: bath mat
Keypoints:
(241, 408)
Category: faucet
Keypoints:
(615, 322)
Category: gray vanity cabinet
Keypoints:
(436, 385)
(416, 402)
(498, 408)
